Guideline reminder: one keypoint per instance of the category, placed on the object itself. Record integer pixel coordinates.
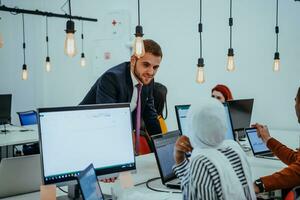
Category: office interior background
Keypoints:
(174, 25)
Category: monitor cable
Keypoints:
(64, 191)
(159, 190)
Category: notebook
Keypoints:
(258, 147)
(89, 185)
(163, 150)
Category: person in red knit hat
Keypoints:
(222, 93)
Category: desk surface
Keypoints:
(19, 135)
(147, 169)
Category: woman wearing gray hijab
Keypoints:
(217, 168)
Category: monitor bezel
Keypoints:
(225, 104)
(100, 173)
(177, 107)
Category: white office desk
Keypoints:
(16, 135)
(147, 169)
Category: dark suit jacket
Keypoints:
(115, 86)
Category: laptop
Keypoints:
(181, 116)
(257, 145)
(89, 185)
(19, 175)
(163, 150)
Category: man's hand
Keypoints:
(182, 146)
(262, 132)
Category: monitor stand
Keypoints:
(74, 194)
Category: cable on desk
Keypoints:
(158, 190)
(62, 190)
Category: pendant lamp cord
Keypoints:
(24, 45)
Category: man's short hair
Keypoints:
(298, 93)
(152, 47)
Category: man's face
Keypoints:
(218, 95)
(145, 68)
(297, 107)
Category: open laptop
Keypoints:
(89, 185)
(163, 150)
(258, 147)
(19, 175)
(181, 116)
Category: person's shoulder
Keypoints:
(120, 68)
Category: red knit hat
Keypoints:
(224, 90)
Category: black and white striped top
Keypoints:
(200, 178)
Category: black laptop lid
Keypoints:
(163, 149)
(89, 185)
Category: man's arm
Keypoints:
(106, 89)
(150, 116)
(289, 177)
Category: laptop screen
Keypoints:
(256, 143)
(181, 116)
(164, 148)
(89, 184)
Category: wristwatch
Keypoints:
(260, 185)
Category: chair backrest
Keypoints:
(294, 194)
(28, 117)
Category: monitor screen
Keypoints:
(89, 185)
(164, 151)
(181, 116)
(230, 132)
(5, 108)
(256, 143)
(73, 137)
(240, 112)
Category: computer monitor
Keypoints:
(73, 137)
(240, 111)
(181, 116)
(230, 133)
(5, 108)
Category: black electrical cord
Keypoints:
(230, 24)
(82, 37)
(24, 45)
(64, 191)
(277, 27)
(200, 28)
(158, 190)
(47, 38)
(139, 22)
(70, 12)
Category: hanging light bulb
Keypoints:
(70, 46)
(200, 71)
(138, 47)
(276, 66)
(82, 60)
(230, 60)
(48, 64)
(24, 72)
(1, 41)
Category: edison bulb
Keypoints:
(230, 64)
(82, 60)
(70, 45)
(139, 49)
(276, 65)
(24, 74)
(200, 75)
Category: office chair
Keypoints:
(29, 118)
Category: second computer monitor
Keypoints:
(240, 112)
(5, 108)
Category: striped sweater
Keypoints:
(200, 178)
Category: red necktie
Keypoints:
(138, 119)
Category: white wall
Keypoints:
(174, 25)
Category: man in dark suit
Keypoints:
(118, 85)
